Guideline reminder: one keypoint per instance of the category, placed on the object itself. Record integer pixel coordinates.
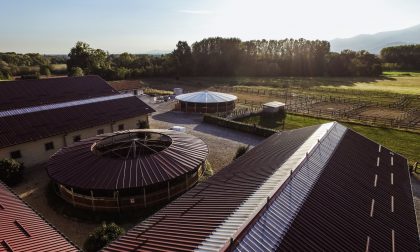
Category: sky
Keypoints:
(138, 26)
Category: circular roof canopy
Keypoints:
(206, 97)
(127, 159)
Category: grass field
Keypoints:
(392, 82)
(405, 143)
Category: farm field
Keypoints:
(405, 143)
(390, 82)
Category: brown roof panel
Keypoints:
(22, 229)
(37, 125)
(185, 223)
(79, 167)
(27, 93)
(325, 204)
(347, 208)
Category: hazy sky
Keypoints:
(137, 26)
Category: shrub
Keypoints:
(45, 70)
(240, 151)
(11, 171)
(102, 235)
(76, 72)
(143, 124)
(155, 92)
(254, 129)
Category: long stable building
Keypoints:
(134, 169)
(320, 188)
(22, 229)
(38, 117)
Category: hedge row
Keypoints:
(257, 130)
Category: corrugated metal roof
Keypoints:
(206, 97)
(185, 223)
(22, 229)
(274, 104)
(79, 167)
(324, 205)
(20, 111)
(27, 93)
(33, 126)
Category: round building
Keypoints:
(206, 102)
(128, 169)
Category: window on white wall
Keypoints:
(15, 154)
(49, 146)
(77, 138)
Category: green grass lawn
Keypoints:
(405, 143)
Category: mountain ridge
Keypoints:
(375, 42)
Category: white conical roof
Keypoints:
(206, 97)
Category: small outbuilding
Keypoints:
(206, 102)
(273, 107)
(134, 169)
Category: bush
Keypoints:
(102, 235)
(240, 151)
(208, 172)
(45, 70)
(143, 124)
(156, 92)
(11, 171)
(76, 72)
(253, 129)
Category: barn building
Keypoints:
(134, 169)
(38, 117)
(22, 229)
(134, 87)
(320, 188)
(206, 102)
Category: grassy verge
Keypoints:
(405, 143)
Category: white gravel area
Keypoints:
(222, 142)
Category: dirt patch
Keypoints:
(385, 113)
(331, 106)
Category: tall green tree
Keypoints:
(89, 59)
(183, 59)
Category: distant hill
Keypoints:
(375, 42)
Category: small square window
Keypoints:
(15, 154)
(49, 146)
(99, 131)
(76, 138)
(121, 127)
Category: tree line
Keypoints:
(228, 57)
(214, 57)
(13, 64)
(404, 57)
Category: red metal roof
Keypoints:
(22, 229)
(357, 204)
(186, 222)
(26, 93)
(37, 125)
(79, 167)
(324, 205)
